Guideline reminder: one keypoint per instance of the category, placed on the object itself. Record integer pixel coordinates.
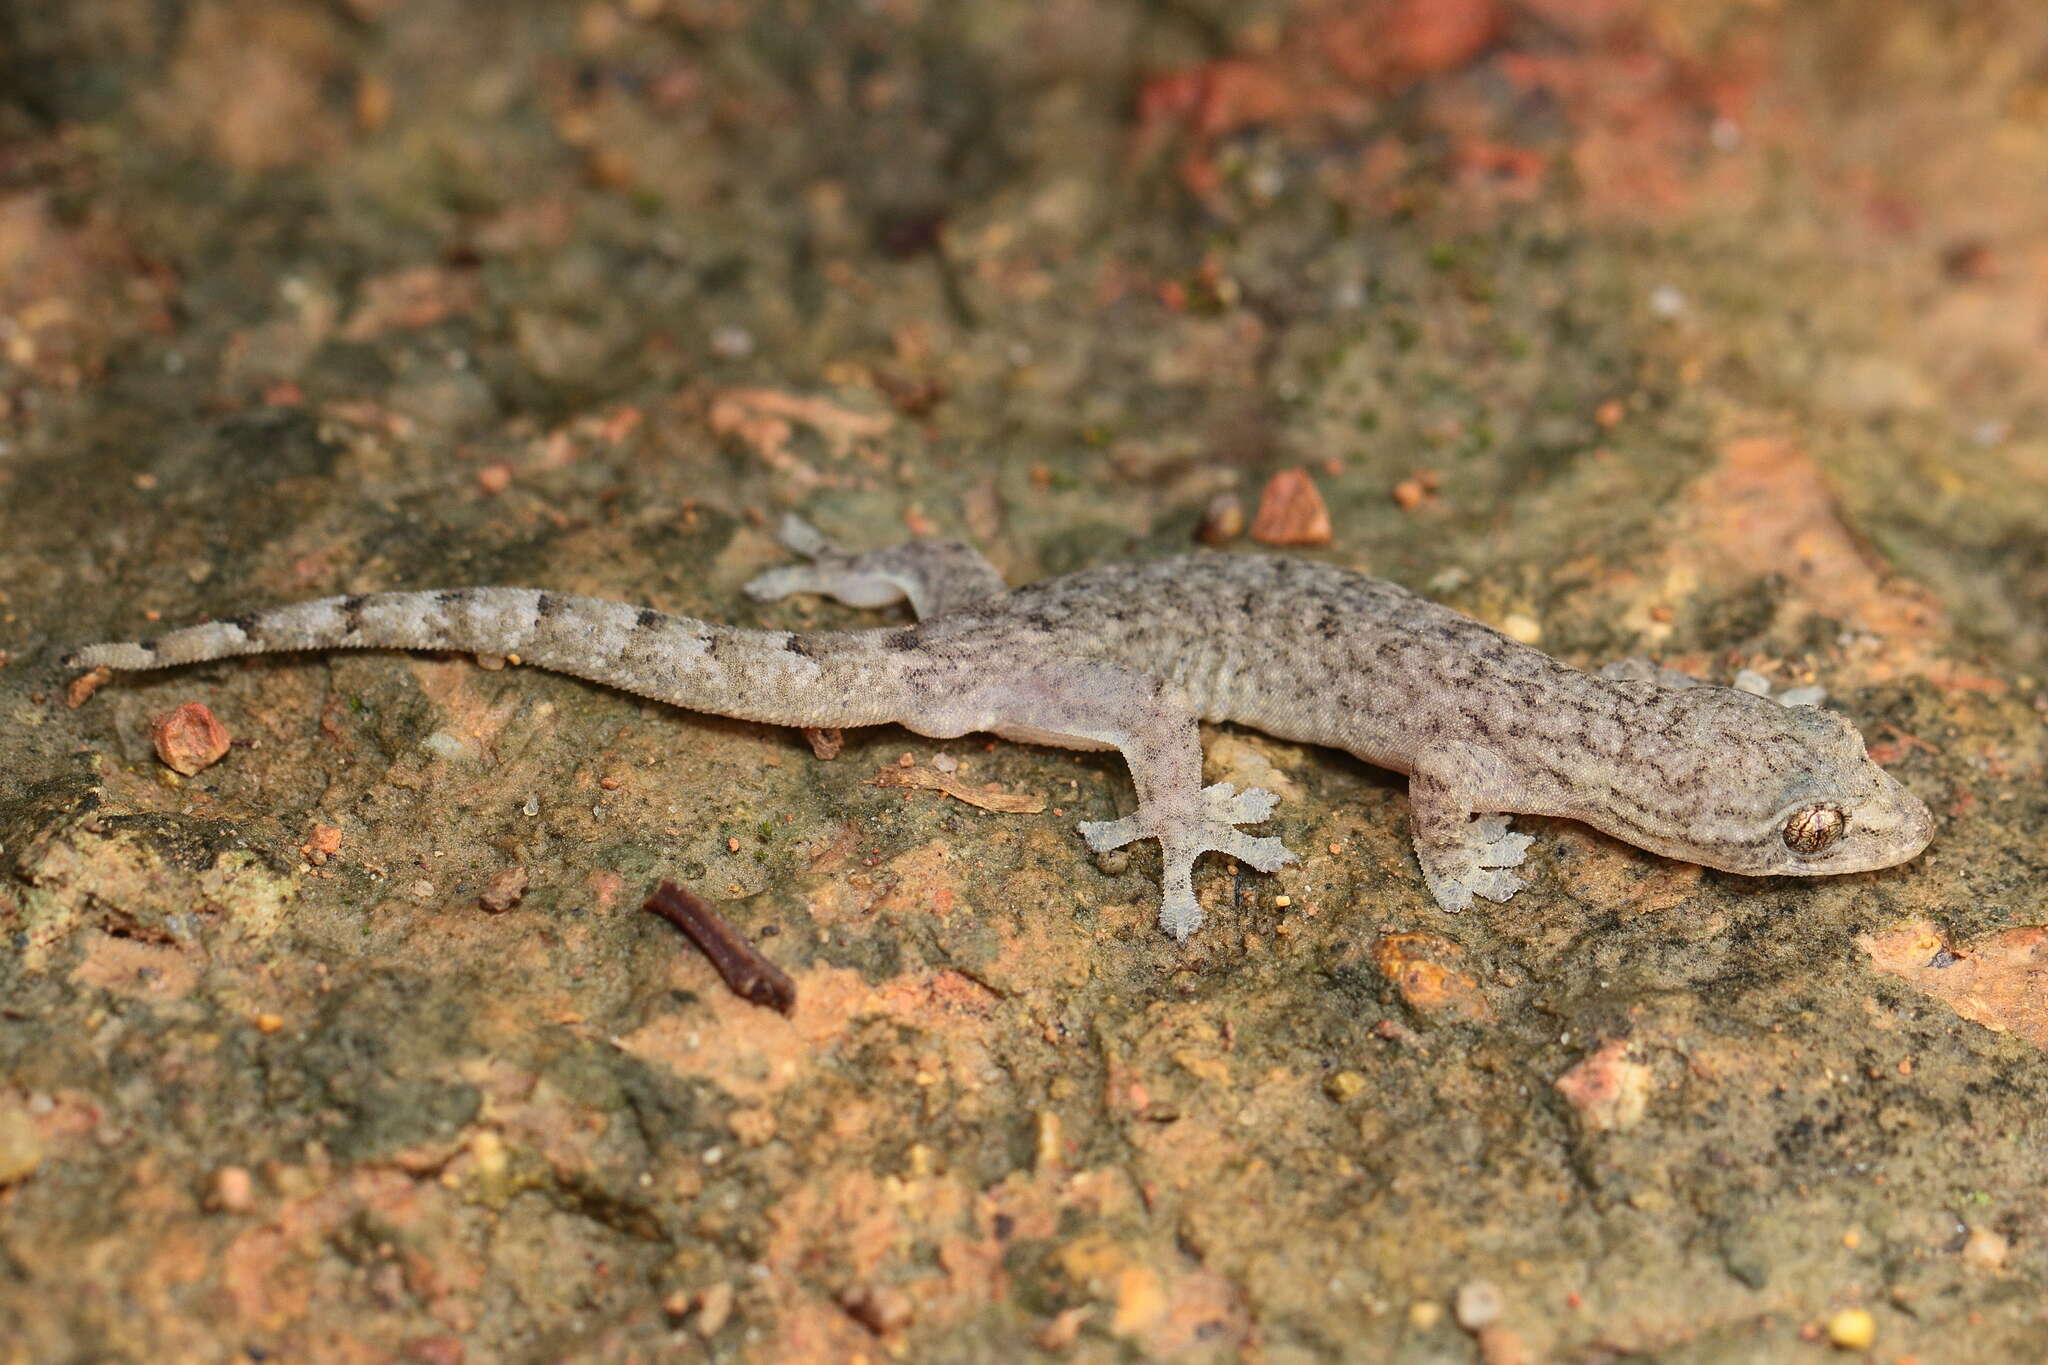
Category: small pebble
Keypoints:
(234, 1190)
(1344, 1086)
(1852, 1329)
(1986, 1249)
(1499, 1346)
(1417, 489)
(321, 844)
(732, 343)
(1114, 863)
(1478, 1304)
(505, 890)
(1223, 521)
(189, 738)
(1064, 1329)
(879, 1308)
(1292, 511)
(714, 1307)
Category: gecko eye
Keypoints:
(1814, 829)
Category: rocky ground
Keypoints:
(1711, 330)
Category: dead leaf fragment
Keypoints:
(927, 779)
(84, 685)
(762, 418)
(189, 738)
(825, 743)
(1292, 511)
(410, 299)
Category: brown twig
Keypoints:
(750, 975)
(929, 780)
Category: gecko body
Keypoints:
(1134, 657)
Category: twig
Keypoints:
(958, 790)
(751, 976)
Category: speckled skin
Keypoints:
(1131, 657)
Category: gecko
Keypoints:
(1135, 657)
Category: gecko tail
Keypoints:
(825, 678)
(467, 618)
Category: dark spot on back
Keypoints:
(795, 645)
(648, 618)
(902, 640)
(548, 604)
(453, 597)
(146, 646)
(352, 613)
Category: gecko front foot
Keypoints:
(1183, 837)
(1474, 863)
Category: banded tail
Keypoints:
(824, 678)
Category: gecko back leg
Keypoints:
(1464, 854)
(935, 575)
(1152, 724)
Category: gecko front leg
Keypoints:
(1464, 854)
(1152, 725)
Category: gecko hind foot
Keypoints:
(1477, 865)
(831, 572)
(1183, 839)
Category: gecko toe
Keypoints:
(777, 584)
(1103, 835)
(1507, 851)
(1180, 916)
(1495, 884)
(1227, 805)
(1267, 855)
(800, 537)
(1473, 861)
(1454, 896)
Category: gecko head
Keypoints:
(1792, 790)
